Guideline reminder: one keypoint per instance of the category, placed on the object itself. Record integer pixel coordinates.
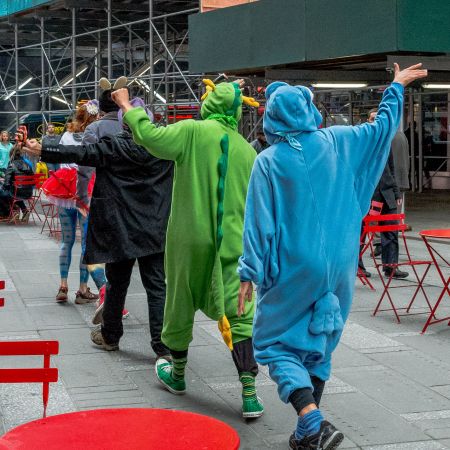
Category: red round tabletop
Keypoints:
(123, 429)
(442, 234)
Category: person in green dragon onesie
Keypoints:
(213, 163)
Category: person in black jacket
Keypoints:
(19, 165)
(389, 194)
(129, 211)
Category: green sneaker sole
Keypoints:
(254, 414)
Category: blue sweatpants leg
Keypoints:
(289, 374)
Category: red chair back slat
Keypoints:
(384, 218)
(44, 375)
(375, 208)
(24, 180)
(40, 179)
(29, 375)
(21, 348)
(379, 227)
(2, 286)
(385, 228)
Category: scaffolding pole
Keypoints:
(115, 50)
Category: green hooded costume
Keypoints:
(213, 163)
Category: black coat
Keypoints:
(387, 190)
(18, 167)
(131, 200)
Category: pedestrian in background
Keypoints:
(388, 193)
(51, 138)
(260, 143)
(5, 148)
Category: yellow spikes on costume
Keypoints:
(209, 83)
(210, 86)
(250, 101)
(225, 329)
(208, 90)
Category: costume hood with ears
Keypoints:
(106, 103)
(224, 102)
(289, 111)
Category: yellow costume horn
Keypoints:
(225, 329)
(210, 86)
(250, 101)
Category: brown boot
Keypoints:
(87, 297)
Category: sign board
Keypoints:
(209, 5)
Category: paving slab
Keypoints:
(390, 386)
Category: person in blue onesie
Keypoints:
(307, 196)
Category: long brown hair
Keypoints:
(80, 120)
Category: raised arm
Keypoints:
(365, 148)
(163, 142)
(93, 155)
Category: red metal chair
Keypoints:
(2, 286)
(377, 224)
(45, 375)
(36, 198)
(51, 219)
(375, 210)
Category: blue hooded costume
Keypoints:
(307, 196)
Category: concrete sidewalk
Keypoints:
(390, 388)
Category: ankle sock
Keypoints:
(248, 385)
(178, 367)
(309, 424)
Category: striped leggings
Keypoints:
(68, 219)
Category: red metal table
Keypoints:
(123, 429)
(435, 256)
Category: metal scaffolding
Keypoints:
(52, 57)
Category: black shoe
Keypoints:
(366, 273)
(398, 274)
(161, 350)
(377, 251)
(327, 438)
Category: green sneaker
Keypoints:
(252, 407)
(163, 369)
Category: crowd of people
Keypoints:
(207, 220)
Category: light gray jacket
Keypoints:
(108, 125)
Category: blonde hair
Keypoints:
(81, 120)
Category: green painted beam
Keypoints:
(247, 36)
(277, 32)
(343, 28)
(424, 26)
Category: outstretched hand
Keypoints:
(32, 147)
(410, 74)
(245, 293)
(122, 99)
(240, 82)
